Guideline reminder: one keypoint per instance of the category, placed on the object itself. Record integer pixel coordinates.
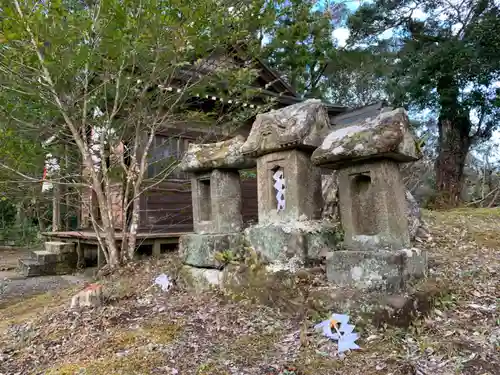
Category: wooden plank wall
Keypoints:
(168, 207)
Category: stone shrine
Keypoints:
(289, 185)
(216, 197)
(372, 202)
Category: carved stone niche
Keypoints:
(372, 199)
(216, 197)
(215, 184)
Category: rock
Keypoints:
(91, 296)
(201, 279)
(416, 226)
(402, 311)
(221, 155)
(305, 241)
(302, 125)
(386, 136)
(200, 250)
(414, 215)
(329, 186)
(375, 270)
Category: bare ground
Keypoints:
(448, 324)
(14, 287)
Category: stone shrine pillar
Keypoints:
(216, 197)
(289, 186)
(373, 207)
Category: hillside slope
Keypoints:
(267, 327)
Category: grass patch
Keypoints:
(136, 363)
(163, 333)
(311, 362)
(251, 348)
(486, 238)
(121, 340)
(210, 369)
(27, 308)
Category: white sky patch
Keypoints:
(419, 14)
(341, 35)
(386, 34)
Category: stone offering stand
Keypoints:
(289, 147)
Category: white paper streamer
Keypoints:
(279, 185)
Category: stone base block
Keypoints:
(199, 250)
(58, 247)
(371, 270)
(308, 241)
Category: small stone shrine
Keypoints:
(373, 208)
(289, 185)
(216, 197)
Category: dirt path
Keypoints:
(14, 286)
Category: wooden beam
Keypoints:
(56, 208)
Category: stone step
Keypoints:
(58, 247)
(44, 256)
(31, 267)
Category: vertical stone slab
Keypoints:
(226, 201)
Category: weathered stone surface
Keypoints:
(414, 215)
(201, 279)
(402, 311)
(217, 202)
(302, 125)
(306, 241)
(90, 296)
(221, 155)
(303, 200)
(199, 250)
(58, 247)
(386, 136)
(373, 207)
(416, 225)
(329, 186)
(372, 270)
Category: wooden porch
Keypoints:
(89, 238)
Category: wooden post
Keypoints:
(56, 208)
(67, 202)
(156, 248)
(79, 251)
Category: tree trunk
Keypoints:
(134, 224)
(453, 143)
(453, 148)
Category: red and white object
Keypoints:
(51, 166)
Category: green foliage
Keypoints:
(225, 257)
(248, 174)
(446, 61)
(301, 44)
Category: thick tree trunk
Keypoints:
(453, 143)
(453, 148)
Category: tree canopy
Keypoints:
(446, 59)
